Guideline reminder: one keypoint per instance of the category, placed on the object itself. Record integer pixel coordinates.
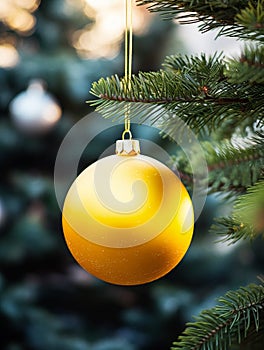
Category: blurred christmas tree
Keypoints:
(46, 300)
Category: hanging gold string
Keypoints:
(128, 62)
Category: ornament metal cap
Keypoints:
(127, 147)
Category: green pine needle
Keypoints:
(235, 18)
(247, 220)
(249, 67)
(249, 208)
(195, 89)
(231, 231)
(238, 315)
(234, 167)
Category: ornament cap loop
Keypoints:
(127, 147)
(127, 131)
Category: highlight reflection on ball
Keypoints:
(128, 219)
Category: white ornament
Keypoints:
(35, 110)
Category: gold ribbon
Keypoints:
(128, 62)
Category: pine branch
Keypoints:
(249, 208)
(252, 20)
(247, 220)
(238, 18)
(195, 89)
(238, 314)
(233, 168)
(217, 11)
(231, 231)
(249, 68)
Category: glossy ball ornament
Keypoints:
(127, 218)
(35, 111)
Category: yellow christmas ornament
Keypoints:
(127, 218)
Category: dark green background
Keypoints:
(47, 302)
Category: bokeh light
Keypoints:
(9, 56)
(17, 14)
(103, 38)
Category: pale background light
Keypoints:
(18, 16)
(197, 42)
(9, 56)
(35, 110)
(104, 37)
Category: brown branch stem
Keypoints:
(217, 100)
(223, 164)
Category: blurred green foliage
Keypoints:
(47, 302)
